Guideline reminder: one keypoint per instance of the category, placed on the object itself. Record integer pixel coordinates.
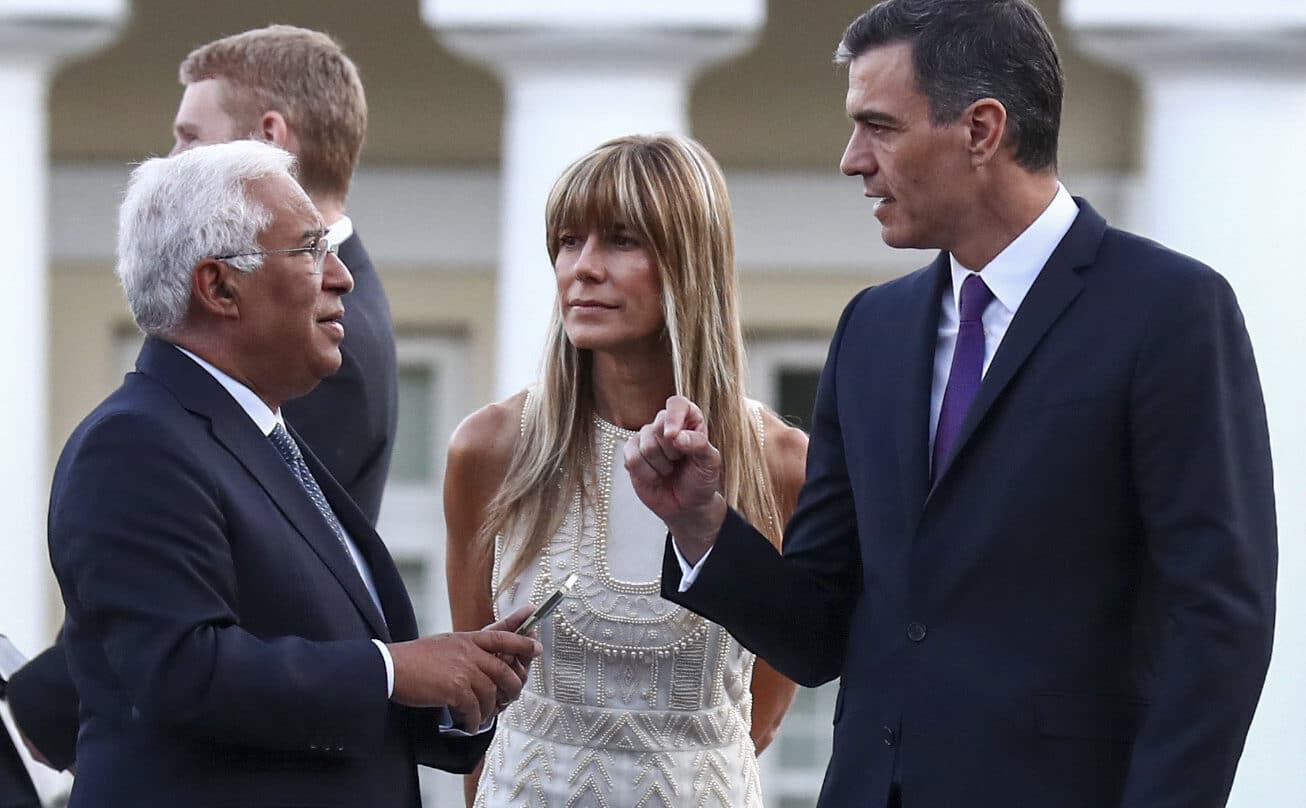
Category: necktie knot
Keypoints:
(975, 298)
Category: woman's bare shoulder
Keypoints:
(485, 440)
(786, 451)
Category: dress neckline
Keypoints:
(608, 426)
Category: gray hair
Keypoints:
(179, 210)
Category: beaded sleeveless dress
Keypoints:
(636, 701)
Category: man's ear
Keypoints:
(215, 288)
(272, 128)
(986, 128)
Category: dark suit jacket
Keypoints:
(349, 419)
(16, 789)
(217, 631)
(349, 423)
(44, 704)
(1079, 612)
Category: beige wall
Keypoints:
(781, 105)
(88, 314)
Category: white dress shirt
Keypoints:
(340, 231)
(1009, 276)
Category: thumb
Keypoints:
(512, 621)
(506, 642)
(703, 457)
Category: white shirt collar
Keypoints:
(339, 232)
(1013, 271)
(259, 412)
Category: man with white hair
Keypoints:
(237, 631)
(297, 89)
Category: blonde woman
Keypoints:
(635, 701)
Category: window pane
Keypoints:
(797, 387)
(414, 434)
(805, 736)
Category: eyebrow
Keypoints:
(873, 116)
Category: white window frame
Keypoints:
(768, 356)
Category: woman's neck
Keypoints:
(629, 390)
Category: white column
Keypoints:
(34, 36)
(1224, 168)
(576, 73)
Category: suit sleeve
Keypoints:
(16, 789)
(792, 610)
(44, 704)
(1201, 463)
(444, 750)
(138, 543)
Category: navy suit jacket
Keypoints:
(218, 633)
(16, 790)
(1078, 611)
(44, 704)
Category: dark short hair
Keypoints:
(965, 50)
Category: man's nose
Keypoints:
(856, 158)
(335, 275)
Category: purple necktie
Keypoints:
(967, 369)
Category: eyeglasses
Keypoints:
(318, 249)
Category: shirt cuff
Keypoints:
(447, 728)
(688, 574)
(389, 668)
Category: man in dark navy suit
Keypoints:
(297, 89)
(1037, 539)
(237, 632)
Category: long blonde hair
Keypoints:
(668, 192)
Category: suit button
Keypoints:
(888, 734)
(916, 632)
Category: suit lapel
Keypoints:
(390, 589)
(921, 326)
(1057, 285)
(231, 426)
